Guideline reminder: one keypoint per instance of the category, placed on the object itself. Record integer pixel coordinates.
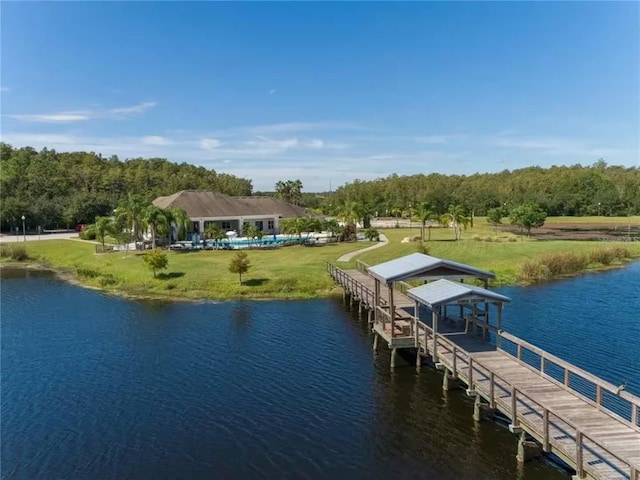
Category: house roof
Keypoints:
(418, 266)
(444, 292)
(198, 203)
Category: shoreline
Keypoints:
(71, 278)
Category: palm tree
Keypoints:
(457, 217)
(130, 212)
(157, 220)
(424, 213)
(180, 219)
(104, 226)
(293, 226)
(348, 213)
(331, 226)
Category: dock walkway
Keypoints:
(587, 422)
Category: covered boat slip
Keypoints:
(590, 424)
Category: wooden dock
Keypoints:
(590, 424)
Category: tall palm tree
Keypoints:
(180, 219)
(157, 220)
(424, 213)
(130, 212)
(104, 226)
(348, 213)
(457, 217)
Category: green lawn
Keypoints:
(503, 258)
(289, 272)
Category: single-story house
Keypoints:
(230, 213)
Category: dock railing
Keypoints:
(595, 391)
(587, 452)
(362, 267)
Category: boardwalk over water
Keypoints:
(587, 422)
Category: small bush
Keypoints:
(490, 238)
(512, 238)
(423, 248)
(564, 263)
(87, 273)
(107, 280)
(477, 238)
(603, 255)
(621, 252)
(170, 286)
(18, 252)
(533, 271)
(88, 233)
(372, 234)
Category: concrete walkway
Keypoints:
(36, 238)
(348, 256)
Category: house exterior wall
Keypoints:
(234, 223)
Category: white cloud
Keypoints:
(272, 91)
(61, 117)
(549, 145)
(84, 115)
(209, 143)
(156, 140)
(133, 109)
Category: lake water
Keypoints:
(95, 387)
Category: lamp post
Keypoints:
(598, 208)
(24, 230)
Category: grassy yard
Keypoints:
(291, 272)
(503, 258)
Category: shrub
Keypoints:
(533, 271)
(372, 234)
(88, 233)
(156, 260)
(240, 264)
(621, 252)
(87, 273)
(423, 248)
(563, 263)
(489, 238)
(477, 238)
(18, 252)
(603, 255)
(512, 238)
(107, 280)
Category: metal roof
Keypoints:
(419, 266)
(444, 292)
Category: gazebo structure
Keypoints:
(439, 295)
(396, 316)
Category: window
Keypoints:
(225, 225)
(270, 225)
(259, 225)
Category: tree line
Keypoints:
(60, 190)
(577, 190)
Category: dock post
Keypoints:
(369, 315)
(375, 342)
(394, 351)
(477, 406)
(344, 295)
(523, 445)
(359, 308)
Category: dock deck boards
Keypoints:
(610, 445)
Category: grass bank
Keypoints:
(299, 272)
(502, 255)
(286, 273)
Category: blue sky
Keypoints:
(326, 92)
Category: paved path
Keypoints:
(348, 256)
(32, 238)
